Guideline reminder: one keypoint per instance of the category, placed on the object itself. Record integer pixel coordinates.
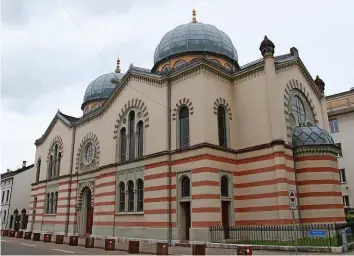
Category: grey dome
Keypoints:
(101, 87)
(195, 37)
(311, 135)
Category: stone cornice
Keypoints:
(309, 150)
(285, 65)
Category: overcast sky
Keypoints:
(51, 50)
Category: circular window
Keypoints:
(89, 153)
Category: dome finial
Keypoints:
(118, 65)
(194, 14)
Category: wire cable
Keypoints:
(78, 27)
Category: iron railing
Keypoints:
(282, 235)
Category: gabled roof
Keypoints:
(161, 77)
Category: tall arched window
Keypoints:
(224, 186)
(47, 203)
(38, 169)
(51, 202)
(222, 126)
(298, 109)
(122, 197)
(58, 164)
(131, 135)
(123, 144)
(130, 185)
(55, 159)
(140, 197)
(56, 202)
(185, 187)
(50, 167)
(140, 135)
(183, 127)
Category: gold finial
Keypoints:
(194, 20)
(118, 66)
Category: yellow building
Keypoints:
(197, 140)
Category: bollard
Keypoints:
(161, 249)
(19, 234)
(90, 242)
(28, 235)
(36, 236)
(59, 239)
(47, 238)
(198, 249)
(5, 232)
(73, 240)
(244, 250)
(12, 233)
(110, 244)
(133, 247)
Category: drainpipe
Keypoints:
(70, 179)
(297, 193)
(169, 139)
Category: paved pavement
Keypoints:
(17, 246)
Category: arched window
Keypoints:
(140, 135)
(140, 190)
(50, 167)
(55, 159)
(56, 202)
(95, 106)
(58, 164)
(131, 135)
(121, 197)
(89, 153)
(216, 62)
(185, 187)
(228, 66)
(87, 109)
(165, 68)
(123, 145)
(130, 185)
(183, 127)
(51, 202)
(298, 109)
(222, 126)
(224, 186)
(179, 63)
(47, 203)
(38, 169)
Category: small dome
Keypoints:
(195, 37)
(101, 87)
(311, 135)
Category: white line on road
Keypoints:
(28, 244)
(62, 251)
(4, 241)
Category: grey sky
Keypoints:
(47, 61)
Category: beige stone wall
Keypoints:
(65, 133)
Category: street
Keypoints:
(15, 246)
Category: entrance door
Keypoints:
(187, 209)
(89, 221)
(225, 218)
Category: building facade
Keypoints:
(341, 124)
(195, 141)
(15, 195)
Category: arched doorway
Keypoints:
(85, 214)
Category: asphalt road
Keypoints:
(18, 246)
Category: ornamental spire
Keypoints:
(194, 14)
(118, 66)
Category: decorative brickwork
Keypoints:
(81, 190)
(221, 101)
(57, 140)
(133, 103)
(182, 102)
(80, 163)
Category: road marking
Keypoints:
(62, 251)
(28, 244)
(5, 241)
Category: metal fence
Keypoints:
(282, 235)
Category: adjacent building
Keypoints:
(341, 124)
(15, 196)
(197, 140)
